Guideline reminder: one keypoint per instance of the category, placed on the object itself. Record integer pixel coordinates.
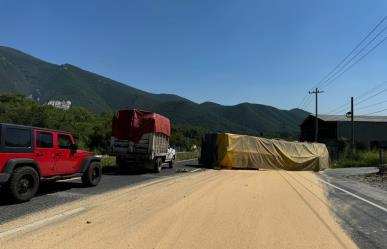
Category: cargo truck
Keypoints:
(140, 139)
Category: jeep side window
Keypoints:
(64, 141)
(17, 137)
(44, 140)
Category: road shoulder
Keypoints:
(364, 220)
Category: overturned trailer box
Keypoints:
(226, 150)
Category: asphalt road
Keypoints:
(366, 224)
(57, 193)
(362, 213)
(210, 209)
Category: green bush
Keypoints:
(184, 138)
(109, 161)
(360, 159)
(344, 147)
(187, 155)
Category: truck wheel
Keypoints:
(93, 175)
(24, 184)
(158, 165)
(121, 163)
(171, 163)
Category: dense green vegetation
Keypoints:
(23, 74)
(93, 130)
(186, 138)
(108, 161)
(187, 155)
(361, 158)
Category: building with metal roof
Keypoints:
(370, 131)
(344, 118)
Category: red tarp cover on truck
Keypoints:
(132, 124)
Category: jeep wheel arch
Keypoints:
(12, 164)
(87, 162)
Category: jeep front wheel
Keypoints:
(93, 175)
(23, 184)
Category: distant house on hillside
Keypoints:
(62, 104)
(369, 130)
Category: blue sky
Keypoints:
(268, 52)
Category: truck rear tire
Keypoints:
(121, 163)
(93, 175)
(23, 184)
(158, 165)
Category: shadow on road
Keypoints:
(118, 171)
(44, 189)
(52, 187)
(199, 166)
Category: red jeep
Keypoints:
(29, 155)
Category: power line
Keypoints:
(304, 101)
(353, 64)
(372, 96)
(359, 98)
(353, 57)
(368, 114)
(333, 71)
(332, 74)
(338, 108)
(372, 105)
(308, 102)
(371, 90)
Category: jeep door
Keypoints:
(65, 159)
(45, 151)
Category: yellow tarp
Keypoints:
(240, 151)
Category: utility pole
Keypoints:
(316, 92)
(352, 115)
(353, 127)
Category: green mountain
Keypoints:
(43, 81)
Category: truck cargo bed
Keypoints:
(150, 145)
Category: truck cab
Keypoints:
(29, 155)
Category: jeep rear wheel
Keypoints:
(23, 184)
(93, 175)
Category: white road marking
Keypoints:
(195, 170)
(41, 222)
(356, 196)
(70, 179)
